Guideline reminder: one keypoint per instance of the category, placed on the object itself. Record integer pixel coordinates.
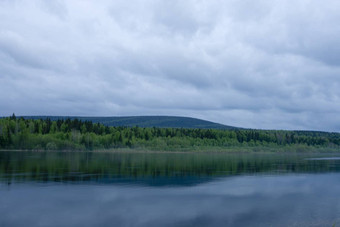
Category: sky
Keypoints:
(266, 64)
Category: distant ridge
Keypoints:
(145, 121)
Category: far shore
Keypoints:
(231, 150)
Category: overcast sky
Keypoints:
(271, 64)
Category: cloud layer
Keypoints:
(263, 64)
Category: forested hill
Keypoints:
(144, 121)
(75, 134)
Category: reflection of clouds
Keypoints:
(250, 185)
(235, 201)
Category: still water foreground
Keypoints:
(164, 189)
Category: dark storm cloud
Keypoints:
(263, 64)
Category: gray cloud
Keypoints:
(264, 64)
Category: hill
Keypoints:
(145, 121)
(63, 133)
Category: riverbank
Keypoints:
(244, 149)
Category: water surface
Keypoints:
(164, 189)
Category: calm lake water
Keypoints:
(163, 189)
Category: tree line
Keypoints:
(67, 134)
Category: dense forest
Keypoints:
(144, 121)
(74, 134)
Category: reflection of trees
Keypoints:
(77, 166)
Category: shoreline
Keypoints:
(232, 150)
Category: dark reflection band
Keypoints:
(151, 168)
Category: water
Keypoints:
(155, 189)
